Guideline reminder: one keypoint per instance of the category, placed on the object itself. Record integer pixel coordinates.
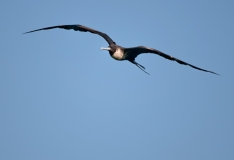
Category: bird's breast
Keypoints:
(118, 54)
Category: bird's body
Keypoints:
(120, 53)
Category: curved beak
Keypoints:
(108, 48)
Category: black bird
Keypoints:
(120, 53)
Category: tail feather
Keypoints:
(140, 66)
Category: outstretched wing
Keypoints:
(135, 51)
(78, 27)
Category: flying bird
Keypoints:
(121, 53)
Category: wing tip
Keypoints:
(33, 31)
(26, 32)
(215, 73)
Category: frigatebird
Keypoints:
(121, 53)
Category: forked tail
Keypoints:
(140, 66)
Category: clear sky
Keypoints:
(61, 97)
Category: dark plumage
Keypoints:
(121, 53)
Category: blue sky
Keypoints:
(63, 98)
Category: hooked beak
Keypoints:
(108, 48)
